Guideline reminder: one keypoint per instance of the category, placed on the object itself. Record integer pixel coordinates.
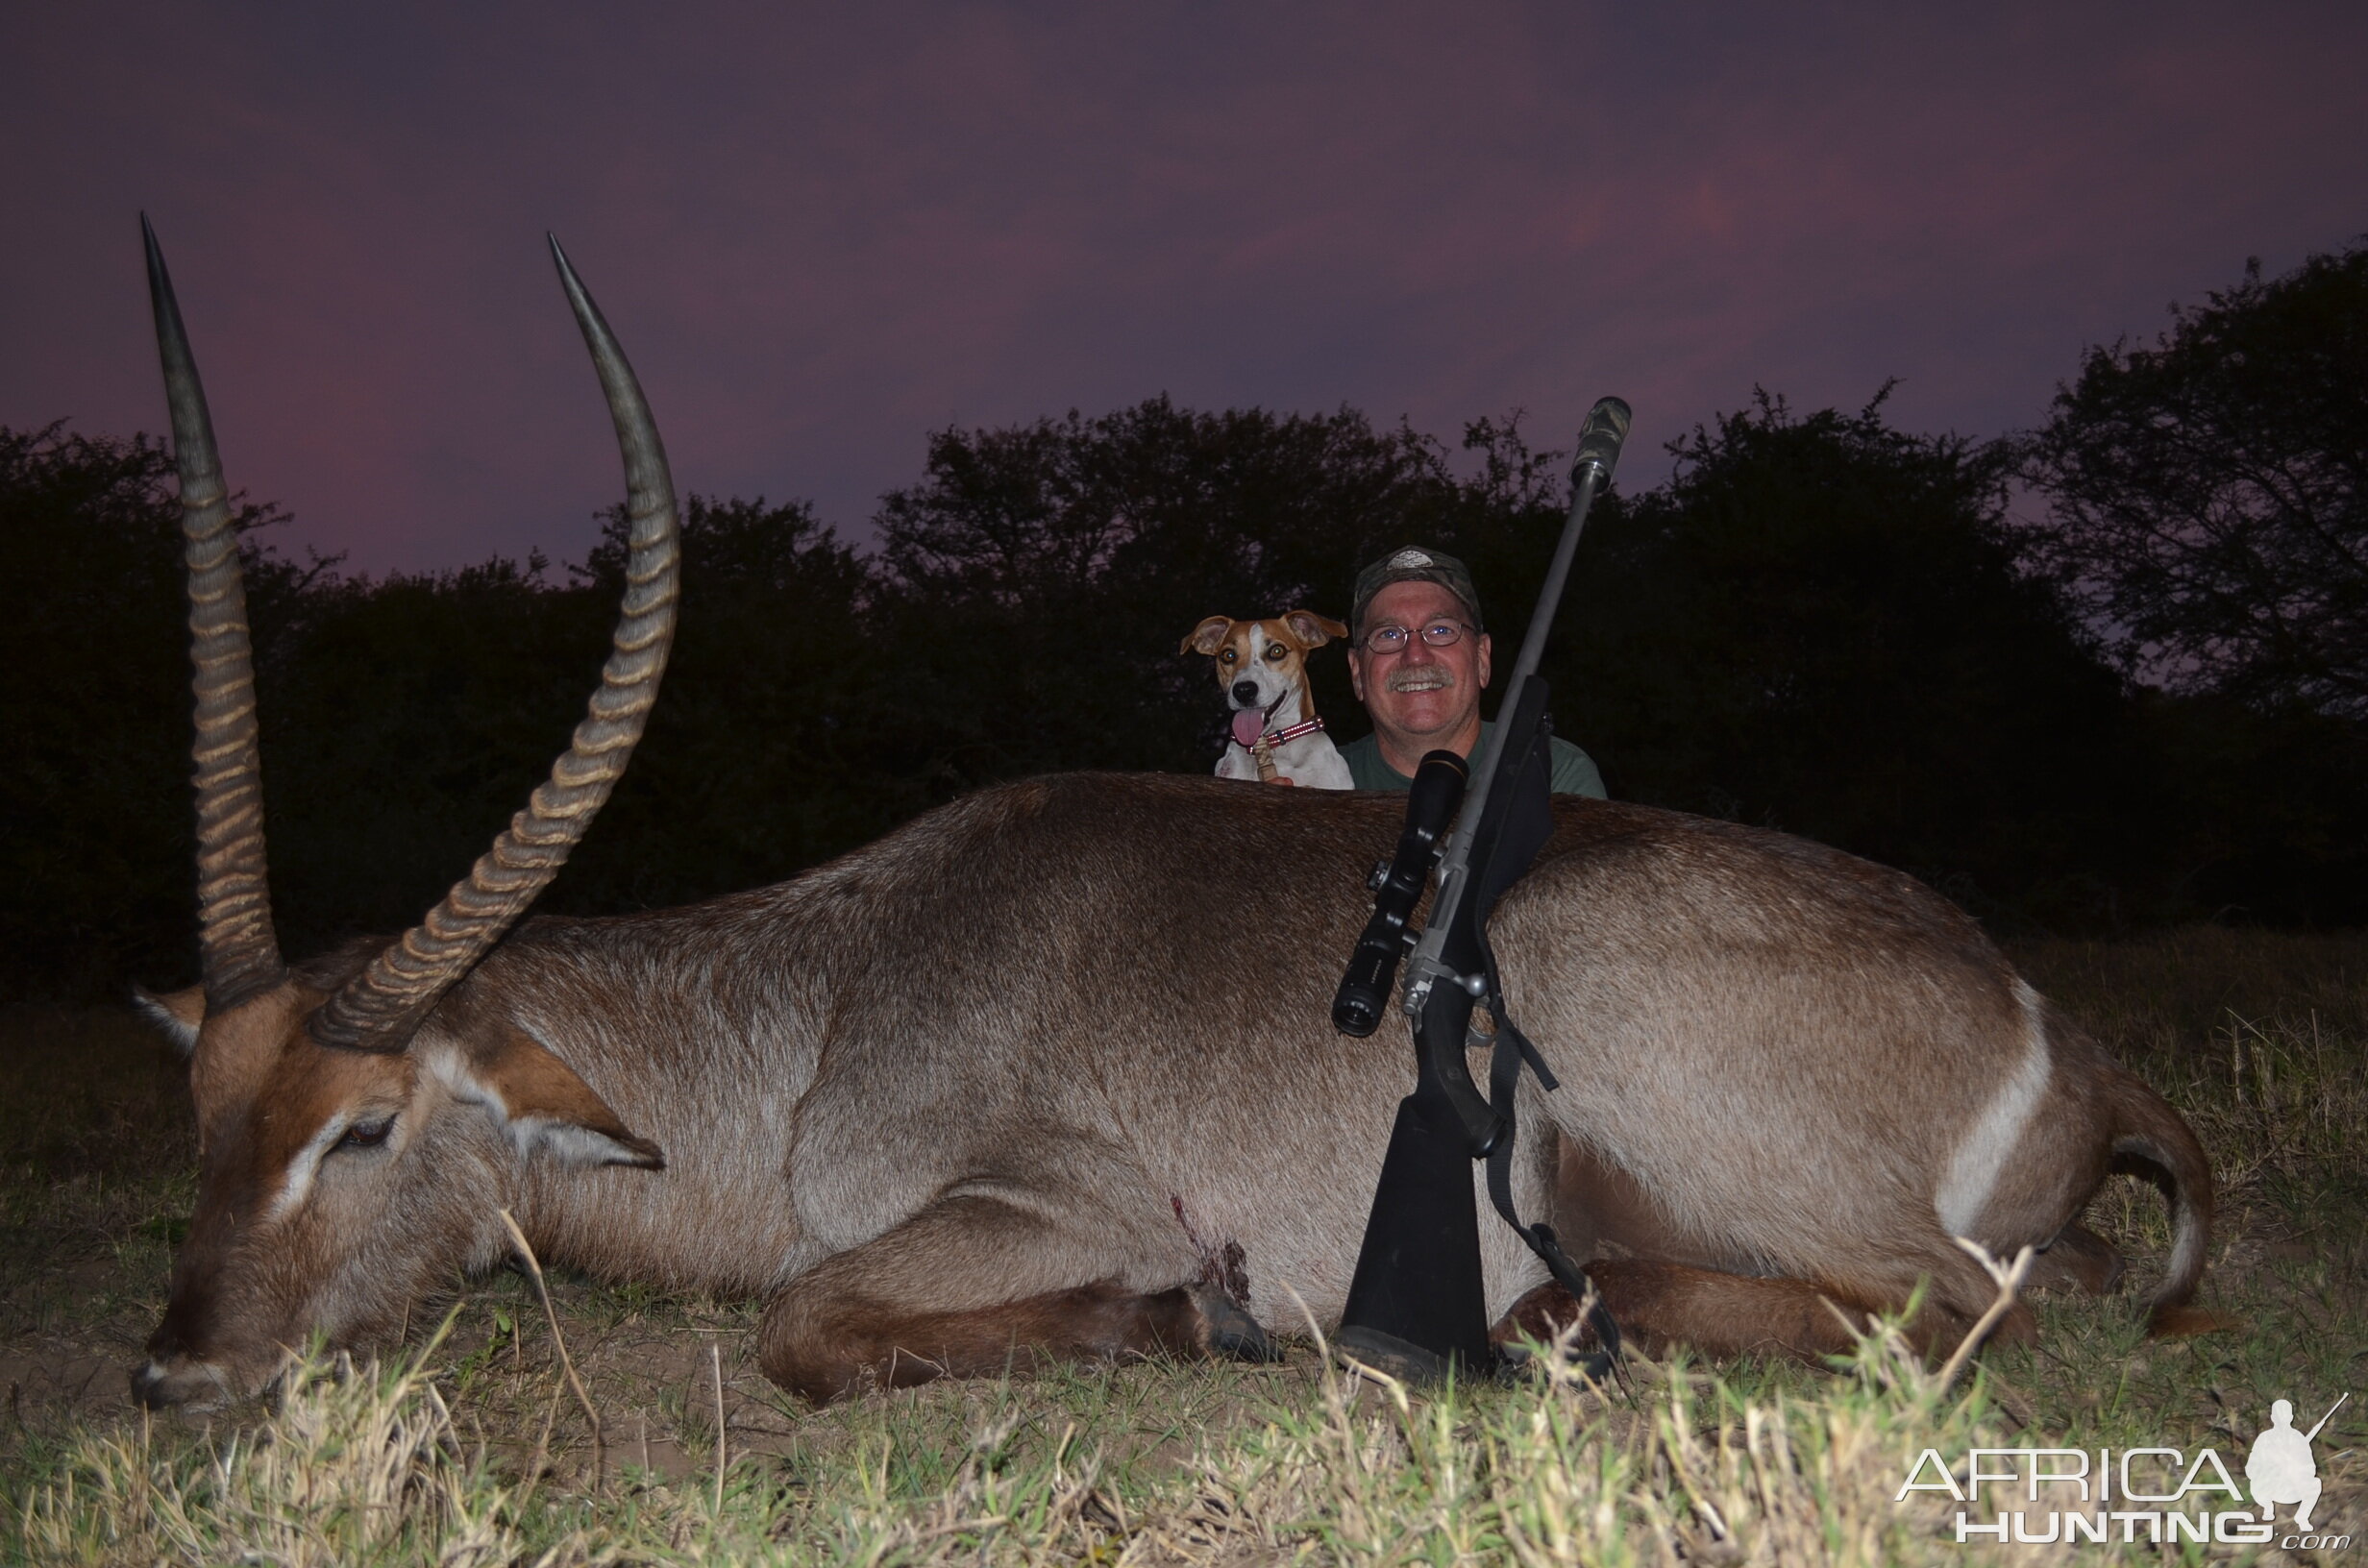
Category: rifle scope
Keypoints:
(1431, 803)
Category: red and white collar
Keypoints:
(1276, 737)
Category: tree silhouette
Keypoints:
(1818, 624)
(95, 818)
(769, 749)
(1037, 580)
(2210, 493)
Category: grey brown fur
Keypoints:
(1071, 1034)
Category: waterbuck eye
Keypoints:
(366, 1135)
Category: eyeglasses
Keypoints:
(1384, 640)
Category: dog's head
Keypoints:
(1258, 661)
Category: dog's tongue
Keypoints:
(1248, 725)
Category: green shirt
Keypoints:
(1574, 770)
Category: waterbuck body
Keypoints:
(1052, 1067)
(1049, 1071)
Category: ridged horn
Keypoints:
(379, 1008)
(238, 954)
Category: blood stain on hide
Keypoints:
(1223, 1265)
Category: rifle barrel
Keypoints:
(1599, 444)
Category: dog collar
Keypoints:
(1276, 737)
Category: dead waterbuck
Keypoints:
(1050, 1073)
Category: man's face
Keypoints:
(1422, 695)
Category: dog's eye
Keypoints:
(1227, 656)
(367, 1135)
(1275, 651)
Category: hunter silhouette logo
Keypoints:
(2281, 1469)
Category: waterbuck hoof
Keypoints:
(1233, 1332)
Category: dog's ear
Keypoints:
(1312, 629)
(1208, 637)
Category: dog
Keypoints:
(1262, 666)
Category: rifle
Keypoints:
(1416, 1307)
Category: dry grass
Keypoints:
(372, 1466)
(469, 1446)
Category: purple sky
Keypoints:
(820, 238)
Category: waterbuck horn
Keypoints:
(238, 954)
(379, 1009)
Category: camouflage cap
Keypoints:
(1413, 564)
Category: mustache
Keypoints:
(1428, 677)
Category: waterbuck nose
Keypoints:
(160, 1384)
(148, 1386)
(1244, 694)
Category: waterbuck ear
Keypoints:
(1312, 629)
(543, 1106)
(178, 1013)
(1207, 637)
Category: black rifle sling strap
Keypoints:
(1519, 810)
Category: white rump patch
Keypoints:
(1983, 1154)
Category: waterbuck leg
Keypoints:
(1660, 1306)
(975, 1284)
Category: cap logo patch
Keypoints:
(1406, 559)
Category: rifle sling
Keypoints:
(1523, 819)
(1512, 1049)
